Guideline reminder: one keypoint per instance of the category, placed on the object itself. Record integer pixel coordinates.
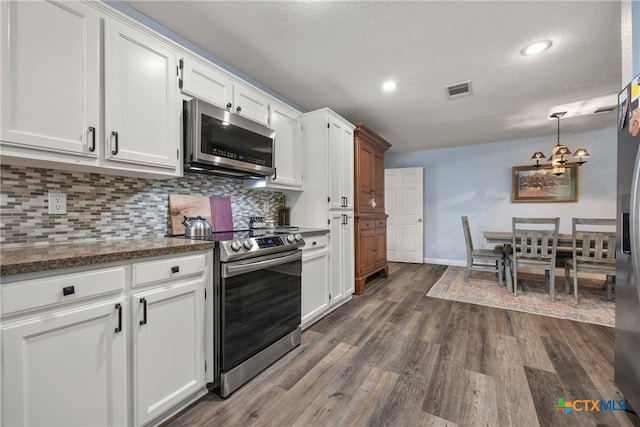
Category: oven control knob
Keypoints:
(236, 245)
(298, 237)
(248, 244)
(290, 238)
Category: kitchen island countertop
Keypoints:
(57, 256)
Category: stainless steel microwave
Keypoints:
(224, 143)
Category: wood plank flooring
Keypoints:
(395, 357)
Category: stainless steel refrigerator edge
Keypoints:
(627, 330)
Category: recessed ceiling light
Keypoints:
(389, 86)
(536, 48)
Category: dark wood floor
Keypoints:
(395, 357)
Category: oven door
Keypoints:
(260, 303)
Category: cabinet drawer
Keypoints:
(381, 223)
(315, 242)
(367, 223)
(170, 268)
(36, 293)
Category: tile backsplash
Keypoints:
(104, 207)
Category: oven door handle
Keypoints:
(231, 270)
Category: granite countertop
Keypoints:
(51, 257)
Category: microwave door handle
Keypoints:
(231, 270)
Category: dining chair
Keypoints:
(473, 255)
(594, 251)
(534, 244)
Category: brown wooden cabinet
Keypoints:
(370, 217)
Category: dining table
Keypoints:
(505, 238)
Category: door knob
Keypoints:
(419, 219)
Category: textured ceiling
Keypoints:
(337, 54)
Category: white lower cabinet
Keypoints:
(315, 279)
(167, 323)
(64, 360)
(116, 346)
(341, 256)
(168, 349)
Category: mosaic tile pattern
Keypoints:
(103, 207)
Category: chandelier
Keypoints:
(560, 153)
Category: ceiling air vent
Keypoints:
(605, 109)
(459, 89)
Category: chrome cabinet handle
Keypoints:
(115, 134)
(93, 138)
(144, 311)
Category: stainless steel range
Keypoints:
(257, 303)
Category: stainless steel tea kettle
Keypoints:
(196, 227)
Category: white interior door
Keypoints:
(405, 227)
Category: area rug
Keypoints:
(482, 288)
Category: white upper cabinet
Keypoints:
(83, 90)
(251, 104)
(340, 164)
(287, 123)
(205, 81)
(50, 81)
(140, 95)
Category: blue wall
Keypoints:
(476, 181)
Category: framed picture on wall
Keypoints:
(533, 185)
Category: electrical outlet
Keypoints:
(433, 246)
(57, 203)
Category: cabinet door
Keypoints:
(336, 160)
(168, 347)
(341, 256)
(206, 83)
(366, 251)
(378, 176)
(50, 79)
(140, 99)
(67, 367)
(315, 286)
(347, 167)
(366, 182)
(348, 247)
(251, 104)
(340, 165)
(381, 247)
(288, 152)
(336, 257)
